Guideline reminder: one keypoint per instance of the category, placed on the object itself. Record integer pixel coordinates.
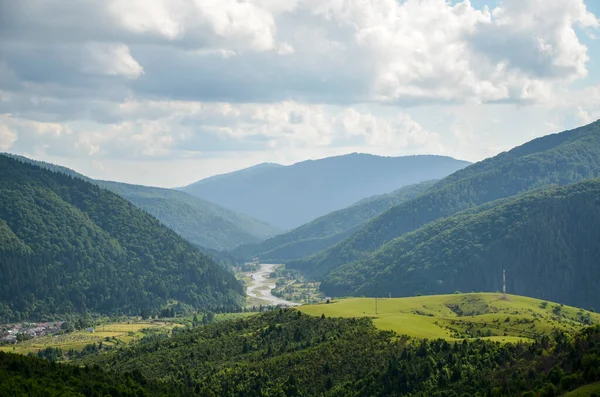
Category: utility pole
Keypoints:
(376, 289)
(504, 283)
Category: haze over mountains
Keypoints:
(331, 228)
(289, 196)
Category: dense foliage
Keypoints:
(201, 222)
(331, 228)
(69, 246)
(31, 377)
(557, 159)
(546, 240)
(289, 196)
(286, 353)
(198, 221)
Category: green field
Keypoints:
(459, 316)
(585, 391)
(118, 333)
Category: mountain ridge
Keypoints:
(554, 159)
(545, 240)
(289, 196)
(199, 221)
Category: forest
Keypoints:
(287, 353)
(68, 246)
(547, 241)
(557, 159)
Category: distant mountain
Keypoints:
(289, 196)
(557, 159)
(68, 246)
(548, 242)
(201, 222)
(329, 229)
(243, 173)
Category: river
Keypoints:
(260, 286)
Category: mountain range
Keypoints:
(553, 160)
(289, 196)
(199, 221)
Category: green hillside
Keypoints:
(287, 353)
(546, 240)
(556, 159)
(331, 228)
(198, 221)
(462, 316)
(67, 246)
(201, 222)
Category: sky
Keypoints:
(166, 92)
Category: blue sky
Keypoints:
(165, 93)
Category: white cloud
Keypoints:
(199, 23)
(7, 137)
(142, 128)
(134, 80)
(110, 59)
(334, 51)
(583, 115)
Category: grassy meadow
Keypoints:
(459, 316)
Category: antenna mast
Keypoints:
(504, 283)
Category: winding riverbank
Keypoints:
(260, 286)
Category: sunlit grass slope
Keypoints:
(585, 391)
(458, 316)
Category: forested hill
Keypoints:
(199, 221)
(548, 242)
(287, 353)
(562, 158)
(69, 246)
(329, 229)
(289, 196)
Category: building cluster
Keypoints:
(9, 332)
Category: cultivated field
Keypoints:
(459, 316)
(118, 333)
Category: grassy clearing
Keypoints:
(118, 333)
(460, 316)
(585, 391)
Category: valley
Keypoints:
(134, 290)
